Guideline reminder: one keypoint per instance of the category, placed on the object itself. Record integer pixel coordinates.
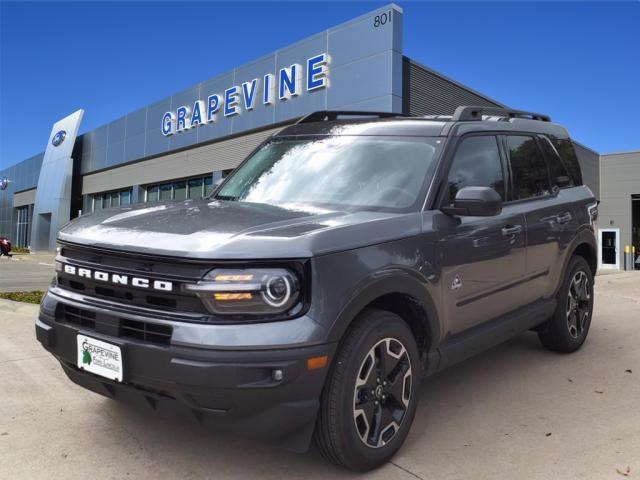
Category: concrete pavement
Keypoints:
(516, 411)
(26, 272)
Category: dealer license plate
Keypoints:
(100, 357)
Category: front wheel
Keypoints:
(567, 330)
(370, 397)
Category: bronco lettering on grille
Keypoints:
(118, 279)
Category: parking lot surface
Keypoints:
(26, 272)
(516, 411)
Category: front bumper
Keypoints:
(225, 389)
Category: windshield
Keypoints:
(341, 171)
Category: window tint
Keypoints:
(557, 169)
(569, 158)
(476, 164)
(529, 168)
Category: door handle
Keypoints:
(511, 230)
(564, 217)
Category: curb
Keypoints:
(18, 307)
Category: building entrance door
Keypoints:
(609, 248)
(635, 230)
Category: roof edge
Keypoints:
(458, 84)
(624, 152)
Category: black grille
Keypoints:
(147, 332)
(111, 325)
(177, 272)
(77, 316)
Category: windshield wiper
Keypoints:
(228, 198)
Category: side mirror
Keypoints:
(475, 202)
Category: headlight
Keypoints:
(253, 291)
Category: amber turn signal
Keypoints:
(315, 363)
(225, 297)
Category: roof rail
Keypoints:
(329, 115)
(465, 114)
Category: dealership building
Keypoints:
(178, 147)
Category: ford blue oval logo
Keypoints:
(4, 183)
(58, 138)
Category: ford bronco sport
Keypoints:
(349, 256)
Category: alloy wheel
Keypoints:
(578, 304)
(382, 392)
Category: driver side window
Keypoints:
(476, 164)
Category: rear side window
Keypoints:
(557, 169)
(528, 167)
(476, 164)
(569, 158)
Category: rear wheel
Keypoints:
(567, 330)
(370, 398)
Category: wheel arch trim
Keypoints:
(389, 283)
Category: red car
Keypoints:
(5, 246)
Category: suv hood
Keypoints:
(215, 229)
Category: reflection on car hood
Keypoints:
(219, 229)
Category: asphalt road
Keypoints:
(26, 272)
(516, 411)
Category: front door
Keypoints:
(609, 248)
(482, 258)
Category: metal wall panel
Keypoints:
(27, 197)
(365, 70)
(429, 93)
(619, 180)
(221, 155)
(53, 197)
(22, 176)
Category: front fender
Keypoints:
(396, 280)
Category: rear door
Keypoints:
(550, 220)
(482, 258)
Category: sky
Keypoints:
(576, 61)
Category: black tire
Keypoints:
(567, 330)
(344, 434)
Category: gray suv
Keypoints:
(348, 257)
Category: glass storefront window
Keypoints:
(153, 193)
(98, 201)
(23, 226)
(208, 186)
(180, 190)
(195, 188)
(165, 191)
